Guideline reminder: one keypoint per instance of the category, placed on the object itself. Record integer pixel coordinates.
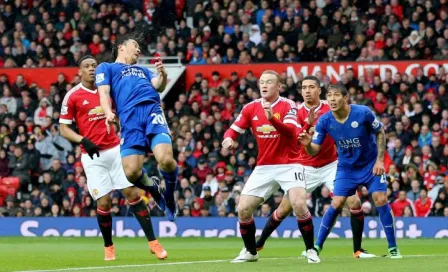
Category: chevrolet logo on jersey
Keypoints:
(96, 111)
(266, 129)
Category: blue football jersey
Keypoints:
(130, 84)
(355, 138)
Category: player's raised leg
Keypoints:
(246, 208)
(141, 213)
(276, 218)
(132, 160)
(162, 148)
(105, 223)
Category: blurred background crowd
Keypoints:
(40, 171)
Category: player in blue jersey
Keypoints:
(135, 93)
(360, 141)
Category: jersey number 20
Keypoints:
(157, 119)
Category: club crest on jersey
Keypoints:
(266, 129)
(355, 124)
(276, 116)
(96, 111)
(95, 192)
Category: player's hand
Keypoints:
(267, 109)
(228, 143)
(90, 147)
(311, 116)
(159, 66)
(378, 168)
(110, 118)
(304, 138)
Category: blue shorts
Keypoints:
(143, 127)
(349, 179)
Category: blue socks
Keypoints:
(170, 180)
(326, 225)
(387, 220)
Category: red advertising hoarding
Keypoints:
(334, 70)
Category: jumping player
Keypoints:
(273, 120)
(104, 172)
(320, 169)
(360, 141)
(134, 90)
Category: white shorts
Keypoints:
(104, 174)
(315, 177)
(267, 179)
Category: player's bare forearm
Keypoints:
(312, 149)
(105, 102)
(159, 83)
(70, 134)
(381, 144)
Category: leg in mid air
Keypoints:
(105, 223)
(276, 218)
(357, 223)
(141, 213)
(297, 197)
(246, 207)
(132, 160)
(162, 148)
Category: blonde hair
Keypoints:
(272, 72)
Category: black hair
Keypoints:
(84, 58)
(136, 36)
(315, 79)
(339, 87)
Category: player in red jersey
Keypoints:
(319, 169)
(105, 172)
(273, 121)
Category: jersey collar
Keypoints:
(317, 109)
(87, 89)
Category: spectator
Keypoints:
(399, 205)
(18, 162)
(4, 164)
(423, 204)
(45, 109)
(8, 100)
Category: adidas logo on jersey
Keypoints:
(255, 118)
(85, 102)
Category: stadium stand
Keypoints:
(40, 171)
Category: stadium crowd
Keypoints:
(413, 108)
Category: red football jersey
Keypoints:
(327, 152)
(273, 148)
(83, 106)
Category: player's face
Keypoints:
(87, 70)
(336, 99)
(269, 86)
(310, 92)
(131, 51)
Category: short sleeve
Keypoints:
(151, 75)
(102, 75)
(371, 121)
(67, 110)
(320, 131)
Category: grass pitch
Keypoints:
(210, 254)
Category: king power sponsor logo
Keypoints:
(211, 227)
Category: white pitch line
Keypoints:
(143, 265)
(194, 262)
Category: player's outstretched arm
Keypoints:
(310, 147)
(105, 102)
(378, 169)
(160, 82)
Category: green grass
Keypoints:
(68, 253)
